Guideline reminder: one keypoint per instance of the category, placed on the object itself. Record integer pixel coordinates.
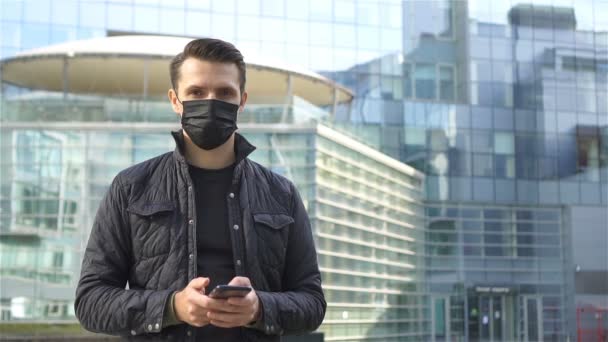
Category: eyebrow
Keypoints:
(221, 87)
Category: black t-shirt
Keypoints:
(214, 247)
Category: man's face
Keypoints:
(203, 80)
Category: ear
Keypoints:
(243, 101)
(175, 104)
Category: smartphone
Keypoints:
(227, 291)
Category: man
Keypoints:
(177, 225)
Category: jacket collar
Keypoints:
(242, 147)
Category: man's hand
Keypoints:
(190, 303)
(235, 311)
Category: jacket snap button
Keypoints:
(191, 256)
(231, 195)
(236, 227)
(191, 222)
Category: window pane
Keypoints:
(445, 23)
(407, 80)
(446, 83)
(424, 75)
(483, 165)
(503, 143)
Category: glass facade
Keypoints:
(503, 105)
(367, 217)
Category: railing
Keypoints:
(592, 324)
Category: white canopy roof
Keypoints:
(121, 65)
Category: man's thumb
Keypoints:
(199, 283)
(240, 281)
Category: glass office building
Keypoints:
(503, 106)
(65, 138)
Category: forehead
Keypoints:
(207, 74)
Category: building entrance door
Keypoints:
(490, 317)
(532, 318)
(440, 312)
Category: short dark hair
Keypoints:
(212, 50)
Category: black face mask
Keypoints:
(209, 123)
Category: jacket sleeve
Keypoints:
(300, 307)
(102, 304)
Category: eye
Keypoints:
(226, 92)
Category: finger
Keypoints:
(199, 283)
(241, 301)
(229, 308)
(215, 304)
(221, 324)
(227, 318)
(240, 281)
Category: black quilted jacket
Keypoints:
(144, 234)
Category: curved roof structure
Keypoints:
(138, 65)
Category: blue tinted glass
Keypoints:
(503, 119)
(345, 11)
(460, 163)
(569, 192)
(505, 190)
(390, 40)
(460, 189)
(199, 4)
(223, 6)
(345, 35)
(147, 19)
(590, 193)
(273, 29)
(482, 141)
(223, 26)
(249, 7)
(92, 14)
(481, 117)
(120, 17)
(297, 9)
(483, 165)
(35, 35)
(525, 120)
(60, 33)
(274, 8)
(483, 189)
(368, 37)
(548, 192)
(198, 23)
(172, 21)
(38, 11)
(321, 10)
(12, 10)
(527, 191)
(504, 166)
(11, 34)
(424, 76)
(65, 12)
(462, 116)
(181, 4)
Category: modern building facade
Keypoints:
(66, 137)
(501, 104)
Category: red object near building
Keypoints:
(592, 324)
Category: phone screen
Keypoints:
(227, 291)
